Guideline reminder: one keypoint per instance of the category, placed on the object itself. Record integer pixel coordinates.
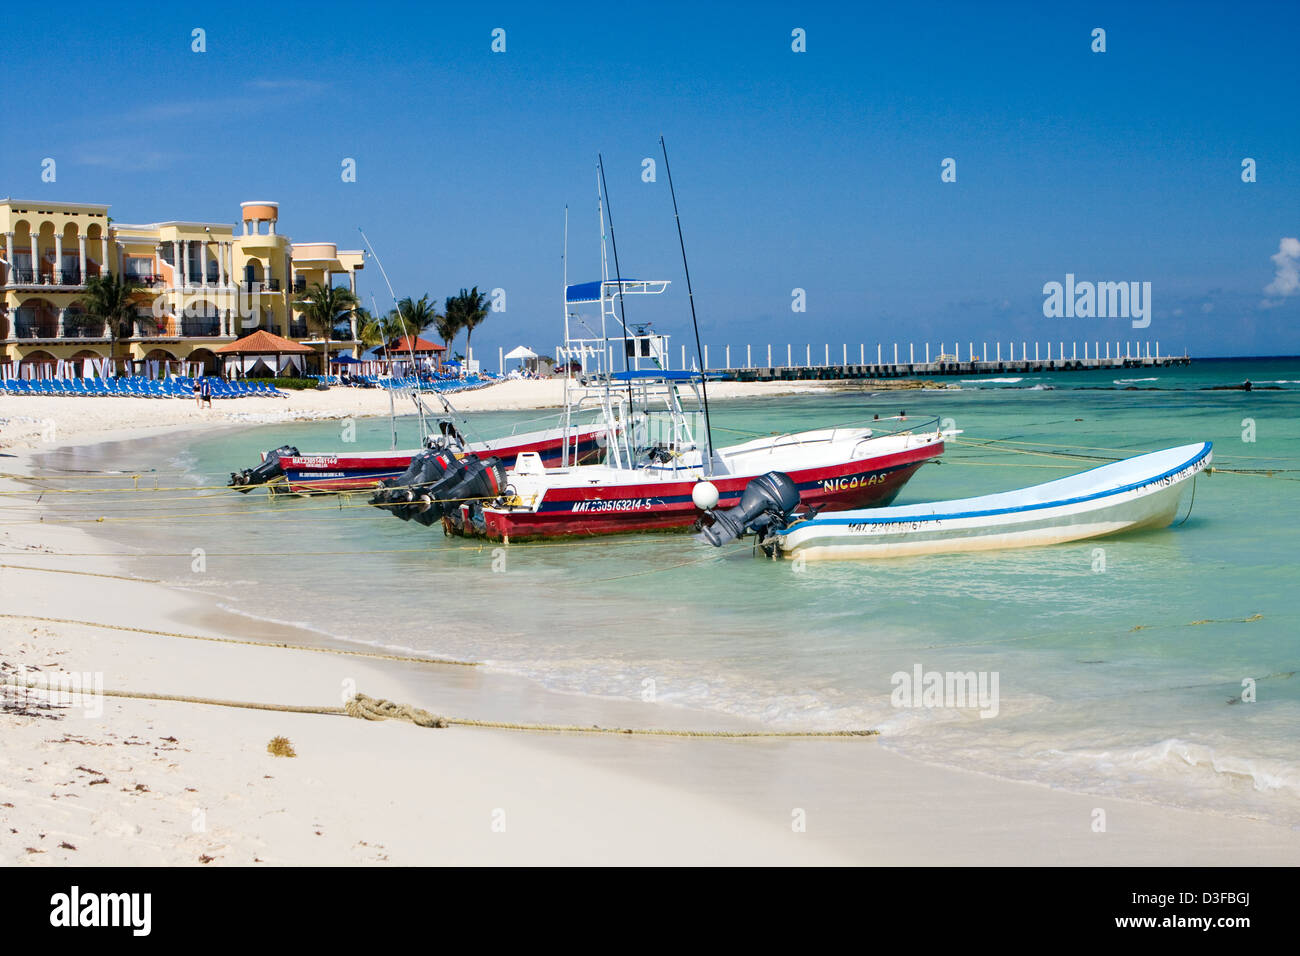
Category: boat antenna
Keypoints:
(618, 277)
(690, 294)
(419, 406)
(564, 304)
(392, 405)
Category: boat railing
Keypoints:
(877, 426)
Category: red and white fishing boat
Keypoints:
(834, 469)
(313, 473)
(287, 469)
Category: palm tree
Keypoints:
(109, 298)
(447, 329)
(417, 314)
(324, 307)
(467, 310)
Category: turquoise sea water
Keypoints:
(1104, 682)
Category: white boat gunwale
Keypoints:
(847, 518)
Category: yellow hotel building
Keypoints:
(200, 284)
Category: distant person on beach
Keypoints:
(205, 392)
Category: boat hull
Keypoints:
(1149, 503)
(317, 474)
(667, 505)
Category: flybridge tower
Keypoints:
(592, 350)
(589, 361)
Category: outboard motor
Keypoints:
(269, 469)
(476, 478)
(401, 491)
(766, 505)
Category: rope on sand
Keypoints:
(377, 708)
(234, 640)
(374, 708)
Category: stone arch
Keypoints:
(37, 358)
(22, 264)
(201, 316)
(208, 358)
(43, 251)
(36, 318)
(78, 369)
(69, 267)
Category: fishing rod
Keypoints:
(564, 304)
(618, 277)
(419, 406)
(392, 405)
(690, 294)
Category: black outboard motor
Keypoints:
(766, 505)
(476, 478)
(269, 469)
(399, 492)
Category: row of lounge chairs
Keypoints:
(138, 386)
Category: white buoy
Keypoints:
(705, 495)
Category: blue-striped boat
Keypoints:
(1127, 495)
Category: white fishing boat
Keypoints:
(1135, 493)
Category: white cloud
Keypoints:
(1287, 260)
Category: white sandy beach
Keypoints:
(178, 783)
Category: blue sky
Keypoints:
(816, 170)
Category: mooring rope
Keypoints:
(377, 708)
(1223, 620)
(233, 640)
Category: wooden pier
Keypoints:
(911, 361)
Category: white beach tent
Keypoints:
(524, 354)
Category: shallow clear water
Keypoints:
(1085, 699)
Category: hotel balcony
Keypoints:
(59, 278)
(265, 285)
(200, 328)
(186, 328)
(48, 329)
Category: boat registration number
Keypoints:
(615, 504)
(886, 527)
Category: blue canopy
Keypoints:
(590, 291)
(583, 292)
(455, 362)
(678, 376)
